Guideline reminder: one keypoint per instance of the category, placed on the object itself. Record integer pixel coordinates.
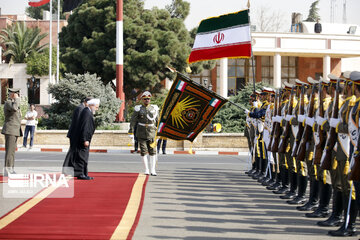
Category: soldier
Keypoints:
(12, 128)
(260, 146)
(283, 167)
(337, 156)
(289, 143)
(307, 162)
(322, 175)
(348, 125)
(146, 118)
(302, 179)
(249, 131)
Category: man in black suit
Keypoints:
(86, 129)
(69, 159)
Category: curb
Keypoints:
(127, 151)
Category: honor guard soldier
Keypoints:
(325, 100)
(283, 167)
(249, 131)
(260, 146)
(307, 161)
(146, 118)
(348, 228)
(301, 176)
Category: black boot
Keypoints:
(277, 183)
(302, 185)
(293, 186)
(350, 230)
(284, 182)
(335, 218)
(323, 209)
(313, 202)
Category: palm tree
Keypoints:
(20, 41)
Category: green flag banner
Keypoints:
(188, 109)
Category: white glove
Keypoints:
(288, 117)
(247, 111)
(310, 121)
(334, 122)
(301, 118)
(320, 120)
(255, 104)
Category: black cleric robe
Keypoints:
(86, 129)
(72, 135)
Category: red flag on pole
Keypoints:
(38, 3)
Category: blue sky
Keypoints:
(201, 9)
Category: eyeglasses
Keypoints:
(146, 99)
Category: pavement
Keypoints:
(125, 150)
(197, 197)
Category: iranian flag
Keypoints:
(221, 37)
(38, 3)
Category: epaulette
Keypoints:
(155, 107)
(137, 108)
(341, 102)
(352, 101)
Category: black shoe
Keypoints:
(289, 195)
(83, 177)
(269, 182)
(297, 200)
(275, 186)
(164, 152)
(308, 206)
(331, 222)
(153, 174)
(256, 175)
(318, 213)
(12, 172)
(342, 232)
(281, 190)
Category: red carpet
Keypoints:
(3, 179)
(94, 213)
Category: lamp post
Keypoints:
(32, 85)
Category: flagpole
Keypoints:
(120, 59)
(50, 47)
(252, 54)
(58, 45)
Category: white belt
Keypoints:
(146, 125)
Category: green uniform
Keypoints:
(146, 119)
(11, 130)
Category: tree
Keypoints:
(313, 12)
(69, 92)
(232, 118)
(267, 20)
(153, 40)
(20, 41)
(178, 9)
(38, 62)
(37, 12)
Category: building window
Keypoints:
(288, 69)
(33, 85)
(202, 78)
(239, 74)
(267, 69)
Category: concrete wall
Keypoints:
(121, 139)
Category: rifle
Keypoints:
(331, 140)
(308, 129)
(273, 124)
(320, 145)
(277, 127)
(301, 126)
(286, 134)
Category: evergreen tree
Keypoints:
(37, 63)
(232, 118)
(313, 12)
(68, 94)
(37, 12)
(153, 40)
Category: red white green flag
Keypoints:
(226, 36)
(38, 3)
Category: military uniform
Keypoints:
(11, 130)
(146, 118)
